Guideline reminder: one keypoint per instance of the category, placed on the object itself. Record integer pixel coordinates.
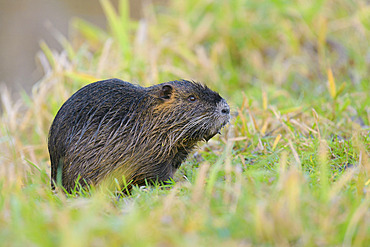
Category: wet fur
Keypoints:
(109, 129)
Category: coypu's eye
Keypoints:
(191, 98)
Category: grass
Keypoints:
(291, 169)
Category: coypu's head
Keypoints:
(192, 111)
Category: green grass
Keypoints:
(291, 169)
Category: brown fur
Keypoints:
(113, 129)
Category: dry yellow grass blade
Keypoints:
(276, 141)
(316, 117)
(264, 100)
(253, 120)
(322, 35)
(295, 155)
(331, 84)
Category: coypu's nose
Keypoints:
(225, 109)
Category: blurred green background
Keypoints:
(24, 23)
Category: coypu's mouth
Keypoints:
(215, 129)
(212, 134)
(208, 137)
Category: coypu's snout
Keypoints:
(221, 118)
(224, 112)
(224, 108)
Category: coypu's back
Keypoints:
(113, 129)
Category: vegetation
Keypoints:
(291, 169)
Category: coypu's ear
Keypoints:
(166, 92)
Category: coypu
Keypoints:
(112, 130)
